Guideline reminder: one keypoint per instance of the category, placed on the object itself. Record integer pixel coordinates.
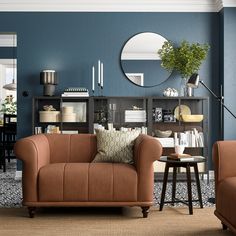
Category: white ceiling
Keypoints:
(115, 5)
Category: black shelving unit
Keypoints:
(104, 110)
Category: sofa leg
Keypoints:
(31, 211)
(224, 227)
(145, 211)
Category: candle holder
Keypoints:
(101, 91)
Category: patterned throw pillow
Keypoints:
(115, 146)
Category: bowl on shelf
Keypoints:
(162, 134)
(192, 118)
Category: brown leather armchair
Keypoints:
(224, 157)
(57, 171)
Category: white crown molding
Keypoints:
(113, 5)
(229, 3)
(218, 5)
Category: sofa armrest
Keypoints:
(224, 159)
(34, 152)
(146, 150)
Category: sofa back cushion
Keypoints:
(69, 148)
(83, 148)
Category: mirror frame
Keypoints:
(142, 86)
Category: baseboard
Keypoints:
(211, 175)
(18, 175)
(158, 176)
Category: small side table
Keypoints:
(186, 164)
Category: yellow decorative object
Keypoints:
(181, 110)
(192, 118)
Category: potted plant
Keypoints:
(8, 106)
(185, 59)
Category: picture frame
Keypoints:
(137, 78)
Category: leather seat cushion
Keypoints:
(87, 182)
(226, 199)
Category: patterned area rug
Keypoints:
(11, 195)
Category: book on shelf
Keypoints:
(142, 130)
(75, 90)
(135, 116)
(75, 95)
(135, 120)
(70, 131)
(189, 138)
(166, 142)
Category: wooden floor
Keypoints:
(110, 221)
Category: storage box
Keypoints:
(49, 116)
(69, 117)
(67, 110)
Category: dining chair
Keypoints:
(8, 137)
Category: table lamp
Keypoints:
(49, 79)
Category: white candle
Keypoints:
(99, 73)
(93, 78)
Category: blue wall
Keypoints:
(71, 43)
(228, 69)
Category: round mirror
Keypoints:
(141, 62)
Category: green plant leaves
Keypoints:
(9, 107)
(185, 59)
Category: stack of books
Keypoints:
(135, 116)
(75, 92)
(166, 142)
(180, 157)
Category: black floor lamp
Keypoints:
(194, 81)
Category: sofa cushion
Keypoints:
(93, 182)
(115, 146)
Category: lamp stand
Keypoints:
(220, 99)
(48, 89)
(222, 106)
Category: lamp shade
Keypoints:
(48, 77)
(193, 81)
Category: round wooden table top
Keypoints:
(191, 159)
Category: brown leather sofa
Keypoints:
(224, 157)
(57, 171)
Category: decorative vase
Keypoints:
(189, 91)
(185, 90)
